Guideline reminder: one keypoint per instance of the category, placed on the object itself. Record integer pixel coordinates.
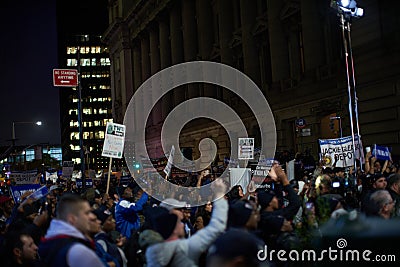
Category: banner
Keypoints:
(28, 177)
(381, 152)
(18, 191)
(339, 152)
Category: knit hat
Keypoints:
(102, 215)
(264, 198)
(236, 243)
(149, 237)
(239, 213)
(165, 224)
(273, 224)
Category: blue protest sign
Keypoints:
(89, 183)
(381, 152)
(18, 191)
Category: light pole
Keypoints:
(38, 123)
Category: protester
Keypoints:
(175, 250)
(235, 248)
(103, 237)
(126, 212)
(65, 243)
(19, 250)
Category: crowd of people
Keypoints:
(127, 227)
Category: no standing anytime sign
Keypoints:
(65, 77)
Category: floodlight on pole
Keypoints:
(13, 138)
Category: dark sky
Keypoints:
(28, 53)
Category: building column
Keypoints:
(205, 39)
(278, 42)
(137, 77)
(165, 61)
(145, 50)
(248, 13)
(154, 68)
(190, 40)
(312, 35)
(125, 58)
(225, 23)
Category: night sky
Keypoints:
(28, 53)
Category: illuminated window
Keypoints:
(85, 135)
(77, 160)
(105, 62)
(99, 135)
(87, 111)
(102, 111)
(75, 100)
(97, 123)
(104, 86)
(85, 50)
(85, 62)
(94, 61)
(74, 136)
(87, 124)
(73, 112)
(107, 120)
(71, 50)
(72, 62)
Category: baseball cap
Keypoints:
(171, 203)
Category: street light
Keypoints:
(38, 123)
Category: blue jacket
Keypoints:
(126, 215)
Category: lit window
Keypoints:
(72, 62)
(75, 100)
(85, 62)
(73, 112)
(87, 111)
(93, 61)
(74, 136)
(85, 135)
(71, 50)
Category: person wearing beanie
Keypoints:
(269, 202)
(104, 239)
(176, 250)
(226, 251)
(243, 214)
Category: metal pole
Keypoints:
(345, 44)
(82, 156)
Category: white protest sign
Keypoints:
(114, 140)
(67, 169)
(339, 152)
(168, 168)
(246, 148)
(28, 177)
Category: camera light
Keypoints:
(344, 3)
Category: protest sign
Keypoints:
(28, 177)
(246, 148)
(381, 152)
(18, 191)
(339, 152)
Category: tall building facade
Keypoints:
(293, 50)
(80, 26)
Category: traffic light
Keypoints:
(136, 166)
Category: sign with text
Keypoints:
(67, 169)
(114, 141)
(246, 148)
(339, 152)
(28, 177)
(18, 191)
(65, 77)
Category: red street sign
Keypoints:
(65, 77)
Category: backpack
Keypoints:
(57, 248)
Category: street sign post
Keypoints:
(65, 77)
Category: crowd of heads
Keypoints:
(132, 228)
